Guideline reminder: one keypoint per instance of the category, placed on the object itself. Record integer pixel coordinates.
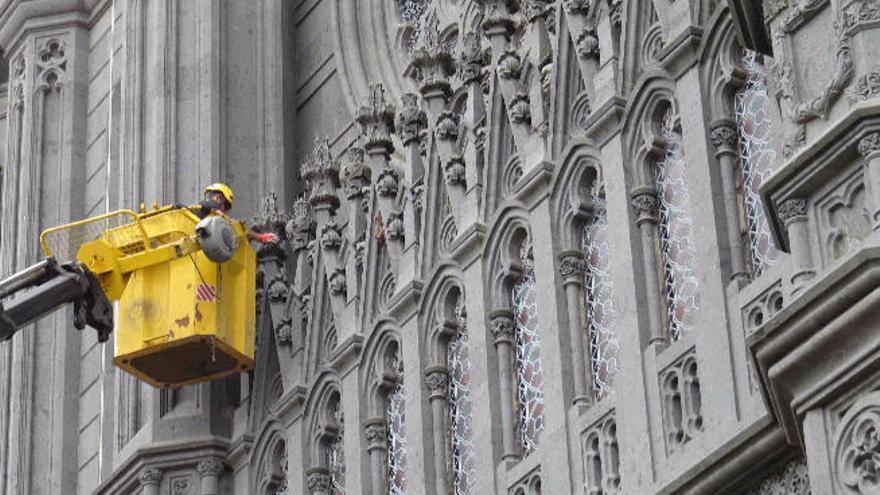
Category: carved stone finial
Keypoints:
(434, 61)
(355, 174)
(376, 118)
(150, 476)
(299, 227)
(791, 211)
(502, 326)
(322, 174)
(869, 144)
(211, 467)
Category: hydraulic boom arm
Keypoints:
(45, 286)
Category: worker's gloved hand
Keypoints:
(266, 238)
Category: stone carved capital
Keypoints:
(572, 267)
(375, 434)
(869, 144)
(645, 205)
(724, 137)
(502, 326)
(210, 467)
(150, 476)
(791, 211)
(319, 481)
(437, 381)
(411, 121)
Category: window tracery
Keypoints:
(396, 418)
(529, 373)
(675, 228)
(755, 159)
(460, 408)
(598, 292)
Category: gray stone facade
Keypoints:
(530, 246)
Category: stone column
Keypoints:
(319, 481)
(437, 381)
(502, 331)
(210, 470)
(571, 267)
(150, 479)
(724, 138)
(376, 448)
(869, 147)
(793, 214)
(644, 200)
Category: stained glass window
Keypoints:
(529, 374)
(460, 425)
(602, 341)
(756, 157)
(337, 457)
(396, 418)
(675, 229)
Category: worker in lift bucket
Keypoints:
(219, 197)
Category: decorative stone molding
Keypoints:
(472, 58)
(793, 477)
(502, 326)
(587, 43)
(211, 467)
(869, 144)
(577, 7)
(434, 61)
(509, 65)
(337, 283)
(454, 171)
(520, 112)
(859, 12)
(355, 175)
(322, 175)
(792, 210)
(857, 451)
(331, 236)
(319, 481)
(387, 183)
(376, 118)
(681, 401)
(446, 128)
(150, 476)
(394, 226)
(599, 450)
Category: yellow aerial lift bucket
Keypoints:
(182, 318)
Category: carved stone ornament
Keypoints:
(331, 236)
(520, 112)
(386, 183)
(375, 433)
(572, 267)
(577, 7)
(319, 482)
(724, 137)
(867, 86)
(509, 65)
(859, 12)
(437, 382)
(857, 452)
(773, 8)
(376, 118)
(337, 284)
(394, 226)
(322, 175)
(210, 467)
(536, 9)
(502, 327)
(473, 58)
(869, 144)
(645, 205)
(411, 121)
(792, 210)
(355, 175)
(299, 226)
(497, 19)
(587, 43)
(454, 171)
(447, 127)
(150, 476)
(283, 332)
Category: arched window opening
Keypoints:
(396, 418)
(463, 464)
(529, 373)
(755, 161)
(599, 295)
(675, 228)
(411, 13)
(281, 459)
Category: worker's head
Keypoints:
(220, 194)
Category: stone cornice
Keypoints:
(534, 186)
(347, 354)
(21, 17)
(468, 245)
(605, 120)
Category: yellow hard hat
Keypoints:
(222, 188)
